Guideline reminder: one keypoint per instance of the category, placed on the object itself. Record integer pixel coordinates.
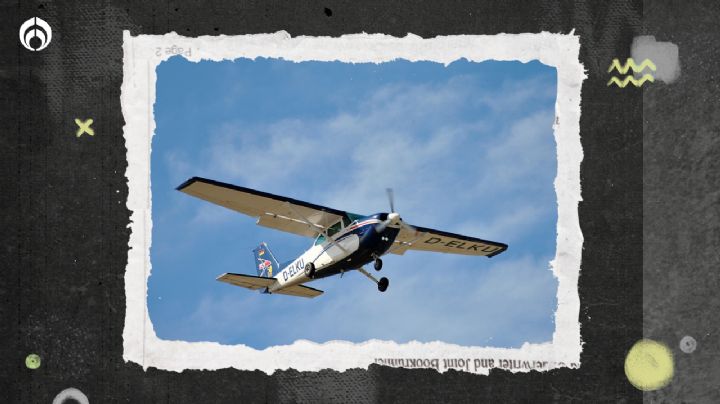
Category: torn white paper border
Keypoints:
(142, 54)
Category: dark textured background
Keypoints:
(681, 201)
(649, 205)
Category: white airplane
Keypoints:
(344, 241)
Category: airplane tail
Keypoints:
(266, 264)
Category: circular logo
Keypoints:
(35, 34)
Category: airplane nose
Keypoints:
(394, 218)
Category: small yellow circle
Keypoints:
(649, 365)
(32, 361)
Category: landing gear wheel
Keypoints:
(310, 270)
(378, 264)
(383, 284)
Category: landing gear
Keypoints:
(378, 264)
(382, 284)
(310, 270)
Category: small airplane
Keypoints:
(344, 241)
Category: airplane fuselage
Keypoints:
(351, 248)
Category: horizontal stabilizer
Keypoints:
(247, 281)
(300, 290)
(261, 282)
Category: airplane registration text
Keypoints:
(462, 245)
(293, 269)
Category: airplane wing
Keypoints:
(277, 212)
(246, 281)
(424, 239)
(299, 290)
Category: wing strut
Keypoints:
(312, 225)
(315, 228)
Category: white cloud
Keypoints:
(508, 226)
(209, 215)
(514, 95)
(402, 136)
(455, 298)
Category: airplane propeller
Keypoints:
(391, 198)
(393, 217)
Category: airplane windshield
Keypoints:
(334, 229)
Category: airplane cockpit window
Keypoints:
(332, 230)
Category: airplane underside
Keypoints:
(370, 249)
(371, 246)
(344, 241)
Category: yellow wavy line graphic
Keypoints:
(631, 79)
(630, 64)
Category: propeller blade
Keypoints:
(408, 227)
(391, 198)
(380, 227)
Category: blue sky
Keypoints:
(468, 148)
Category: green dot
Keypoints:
(32, 361)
